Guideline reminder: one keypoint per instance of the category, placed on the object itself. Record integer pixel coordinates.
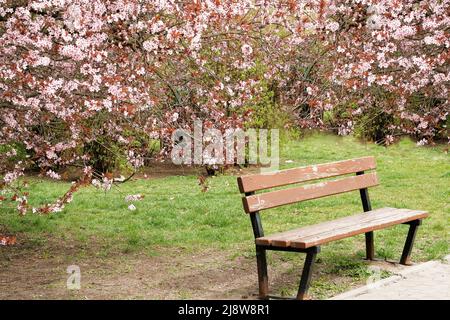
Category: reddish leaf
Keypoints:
(7, 240)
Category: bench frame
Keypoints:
(311, 252)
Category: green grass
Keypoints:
(175, 213)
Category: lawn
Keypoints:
(175, 213)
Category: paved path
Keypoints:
(430, 280)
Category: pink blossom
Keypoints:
(150, 45)
(247, 49)
(175, 116)
(53, 175)
(333, 26)
(42, 61)
(133, 197)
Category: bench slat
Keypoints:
(269, 180)
(283, 239)
(277, 198)
(321, 233)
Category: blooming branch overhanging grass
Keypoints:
(174, 211)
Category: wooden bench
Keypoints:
(308, 239)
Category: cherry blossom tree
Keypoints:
(389, 58)
(83, 80)
(78, 75)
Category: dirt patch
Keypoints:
(39, 271)
(32, 272)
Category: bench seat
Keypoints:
(324, 232)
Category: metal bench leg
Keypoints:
(263, 279)
(307, 272)
(367, 206)
(413, 225)
(370, 248)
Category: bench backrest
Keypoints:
(256, 202)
